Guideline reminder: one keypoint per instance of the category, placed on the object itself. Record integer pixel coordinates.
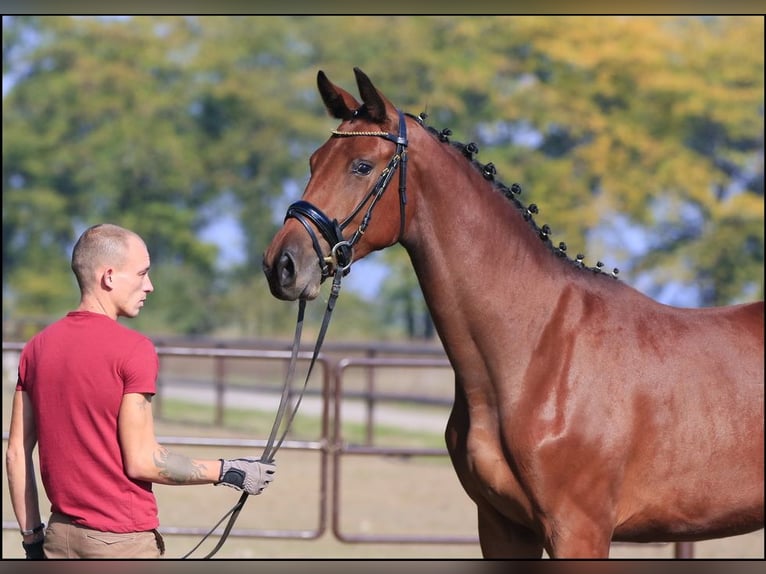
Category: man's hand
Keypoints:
(34, 550)
(248, 474)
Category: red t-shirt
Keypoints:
(76, 372)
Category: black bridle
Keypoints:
(341, 250)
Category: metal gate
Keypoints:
(330, 446)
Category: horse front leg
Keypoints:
(579, 539)
(501, 538)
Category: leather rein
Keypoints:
(336, 264)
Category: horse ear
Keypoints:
(373, 101)
(338, 101)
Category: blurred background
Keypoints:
(640, 138)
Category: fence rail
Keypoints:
(329, 445)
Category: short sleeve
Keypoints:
(141, 368)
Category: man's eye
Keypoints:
(362, 168)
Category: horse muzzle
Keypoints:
(291, 268)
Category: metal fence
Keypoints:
(333, 369)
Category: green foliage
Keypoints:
(149, 121)
(184, 303)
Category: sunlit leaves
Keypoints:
(147, 121)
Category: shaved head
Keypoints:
(100, 245)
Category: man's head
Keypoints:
(111, 265)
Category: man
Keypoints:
(84, 395)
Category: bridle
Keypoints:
(336, 264)
(341, 250)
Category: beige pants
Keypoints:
(66, 540)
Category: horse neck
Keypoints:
(477, 260)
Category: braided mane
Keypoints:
(511, 193)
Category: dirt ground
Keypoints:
(382, 496)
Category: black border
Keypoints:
(447, 7)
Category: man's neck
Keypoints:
(93, 304)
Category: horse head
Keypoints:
(346, 211)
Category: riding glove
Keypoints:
(34, 550)
(248, 474)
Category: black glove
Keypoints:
(248, 474)
(34, 550)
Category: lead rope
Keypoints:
(270, 449)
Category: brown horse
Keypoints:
(584, 411)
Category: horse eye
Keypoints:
(362, 168)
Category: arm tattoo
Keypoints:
(177, 468)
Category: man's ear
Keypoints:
(106, 279)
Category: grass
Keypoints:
(304, 427)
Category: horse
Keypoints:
(584, 411)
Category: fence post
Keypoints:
(684, 550)
(370, 399)
(220, 374)
(157, 399)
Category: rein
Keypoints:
(336, 264)
(271, 448)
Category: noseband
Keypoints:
(342, 250)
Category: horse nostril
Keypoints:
(286, 269)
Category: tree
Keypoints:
(619, 128)
(95, 132)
